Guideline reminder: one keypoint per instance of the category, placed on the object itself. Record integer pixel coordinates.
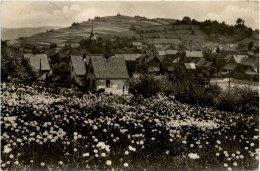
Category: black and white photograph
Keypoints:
(129, 85)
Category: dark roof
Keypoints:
(35, 61)
(79, 65)
(230, 66)
(129, 57)
(250, 71)
(194, 54)
(201, 62)
(109, 68)
(207, 64)
(152, 57)
(250, 61)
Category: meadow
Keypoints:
(68, 129)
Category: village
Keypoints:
(111, 73)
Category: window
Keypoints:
(107, 83)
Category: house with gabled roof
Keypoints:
(109, 74)
(193, 56)
(137, 45)
(78, 69)
(40, 65)
(153, 64)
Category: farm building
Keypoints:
(40, 65)
(244, 72)
(109, 74)
(129, 57)
(153, 64)
(193, 56)
(236, 58)
(77, 69)
(137, 45)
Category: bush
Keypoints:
(145, 85)
(242, 100)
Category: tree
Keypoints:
(240, 21)
(250, 45)
(186, 20)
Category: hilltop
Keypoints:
(191, 34)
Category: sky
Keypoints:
(16, 14)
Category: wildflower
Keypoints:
(218, 142)
(194, 156)
(11, 156)
(108, 162)
(246, 148)
(16, 162)
(126, 152)
(229, 159)
(103, 154)
(75, 149)
(252, 144)
(235, 163)
(61, 162)
(167, 152)
(7, 149)
(241, 156)
(217, 154)
(225, 165)
(85, 155)
(229, 168)
(238, 152)
(95, 151)
(125, 164)
(42, 164)
(191, 145)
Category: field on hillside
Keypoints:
(65, 129)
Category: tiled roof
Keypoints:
(171, 52)
(38, 59)
(162, 52)
(190, 66)
(79, 65)
(129, 57)
(230, 66)
(137, 43)
(238, 58)
(113, 68)
(194, 54)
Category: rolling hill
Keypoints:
(151, 31)
(15, 33)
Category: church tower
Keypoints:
(92, 36)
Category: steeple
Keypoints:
(92, 35)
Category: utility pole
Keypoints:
(229, 81)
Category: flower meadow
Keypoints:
(68, 129)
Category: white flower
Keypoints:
(167, 152)
(235, 163)
(229, 168)
(225, 165)
(7, 149)
(217, 154)
(103, 154)
(60, 162)
(42, 163)
(126, 152)
(75, 149)
(125, 164)
(11, 156)
(85, 155)
(194, 156)
(16, 162)
(108, 162)
(218, 142)
(252, 144)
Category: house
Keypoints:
(203, 63)
(228, 69)
(244, 72)
(109, 74)
(137, 45)
(251, 61)
(190, 66)
(129, 57)
(236, 58)
(40, 65)
(193, 56)
(153, 64)
(78, 69)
